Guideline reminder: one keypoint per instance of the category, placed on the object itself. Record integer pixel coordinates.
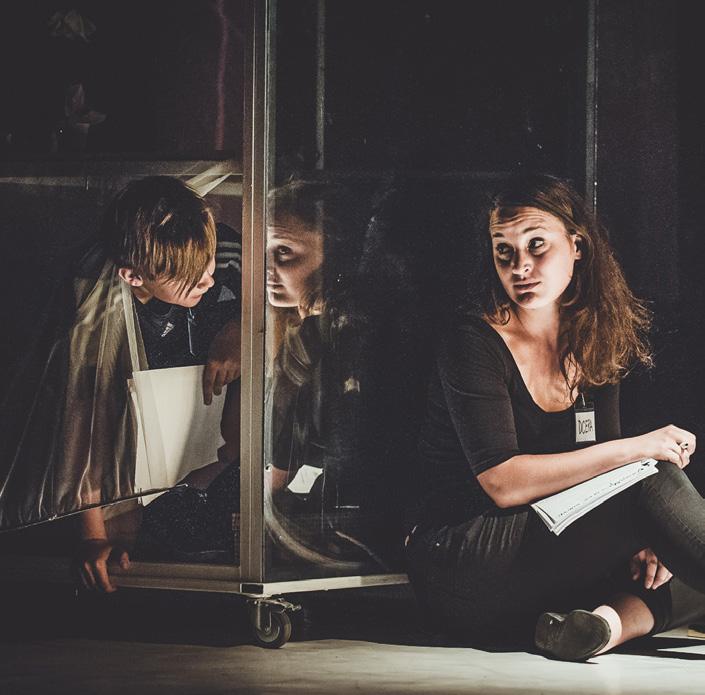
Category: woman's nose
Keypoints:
(522, 263)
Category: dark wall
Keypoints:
(651, 166)
(434, 85)
(167, 76)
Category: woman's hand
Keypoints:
(669, 443)
(655, 572)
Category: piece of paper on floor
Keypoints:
(304, 479)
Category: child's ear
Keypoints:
(132, 278)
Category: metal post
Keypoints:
(253, 299)
(321, 84)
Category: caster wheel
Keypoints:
(277, 634)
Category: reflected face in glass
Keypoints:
(294, 255)
(534, 257)
(171, 292)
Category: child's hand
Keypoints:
(223, 364)
(92, 561)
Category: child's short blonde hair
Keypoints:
(161, 229)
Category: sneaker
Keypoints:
(574, 636)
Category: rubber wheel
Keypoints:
(278, 634)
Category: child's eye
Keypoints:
(537, 244)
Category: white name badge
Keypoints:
(585, 423)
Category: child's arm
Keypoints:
(95, 551)
(223, 365)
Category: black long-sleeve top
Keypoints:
(480, 414)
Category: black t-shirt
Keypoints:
(480, 414)
(175, 336)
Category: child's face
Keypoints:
(169, 291)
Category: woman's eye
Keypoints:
(283, 252)
(536, 245)
(503, 250)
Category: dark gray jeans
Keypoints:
(488, 579)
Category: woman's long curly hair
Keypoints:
(604, 327)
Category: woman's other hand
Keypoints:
(669, 443)
(655, 572)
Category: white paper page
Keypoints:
(597, 501)
(171, 403)
(560, 510)
(143, 479)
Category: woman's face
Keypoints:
(294, 254)
(534, 256)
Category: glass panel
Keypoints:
(387, 121)
(70, 437)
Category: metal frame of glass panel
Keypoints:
(252, 393)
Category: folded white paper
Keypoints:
(560, 510)
(304, 479)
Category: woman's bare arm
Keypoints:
(527, 477)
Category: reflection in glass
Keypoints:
(316, 454)
(386, 150)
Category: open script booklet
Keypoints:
(560, 510)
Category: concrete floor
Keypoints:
(138, 643)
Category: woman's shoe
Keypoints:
(574, 636)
